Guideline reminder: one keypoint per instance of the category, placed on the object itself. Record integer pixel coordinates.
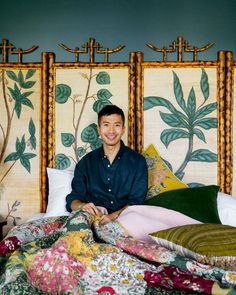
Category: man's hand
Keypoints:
(90, 208)
(108, 218)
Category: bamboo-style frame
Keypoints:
(53, 66)
(43, 120)
(224, 111)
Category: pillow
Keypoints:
(160, 177)
(198, 202)
(227, 208)
(213, 244)
(150, 219)
(59, 187)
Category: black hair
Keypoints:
(110, 110)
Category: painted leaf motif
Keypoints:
(12, 75)
(67, 139)
(207, 123)
(199, 134)
(20, 146)
(31, 127)
(169, 135)
(33, 141)
(104, 94)
(80, 151)
(12, 157)
(25, 163)
(90, 133)
(30, 73)
(191, 104)
(63, 92)
(179, 93)
(96, 144)
(27, 102)
(62, 161)
(203, 155)
(20, 78)
(103, 78)
(154, 101)
(100, 104)
(202, 112)
(173, 120)
(204, 84)
(28, 84)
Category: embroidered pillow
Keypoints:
(197, 202)
(213, 244)
(160, 177)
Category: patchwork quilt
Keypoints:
(76, 255)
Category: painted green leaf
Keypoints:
(27, 102)
(154, 101)
(169, 135)
(67, 139)
(202, 112)
(104, 94)
(26, 94)
(179, 92)
(12, 75)
(17, 109)
(204, 84)
(100, 104)
(63, 92)
(96, 144)
(191, 104)
(203, 155)
(20, 78)
(33, 141)
(12, 157)
(207, 123)
(80, 151)
(199, 134)
(30, 73)
(90, 133)
(29, 155)
(62, 161)
(25, 163)
(173, 120)
(31, 127)
(103, 78)
(28, 84)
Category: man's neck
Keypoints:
(111, 151)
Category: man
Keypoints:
(112, 176)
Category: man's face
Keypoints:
(111, 128)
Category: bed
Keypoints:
(182, 240)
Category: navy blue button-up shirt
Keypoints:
(113, 186)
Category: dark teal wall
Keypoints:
(113, 22)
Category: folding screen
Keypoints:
(77, 92)
(22, 136)
(182, 109)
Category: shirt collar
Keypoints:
(119, 154)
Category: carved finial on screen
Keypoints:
(7, 48)
(179, 47)
(92, 48)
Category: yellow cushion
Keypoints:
(160, 177)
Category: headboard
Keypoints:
(49, 115)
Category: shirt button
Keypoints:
(111, 202)
(109, 190)
(108, 165)
(108, 178)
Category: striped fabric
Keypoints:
(213, 244)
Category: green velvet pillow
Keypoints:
(199, 203)
(213, 244)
